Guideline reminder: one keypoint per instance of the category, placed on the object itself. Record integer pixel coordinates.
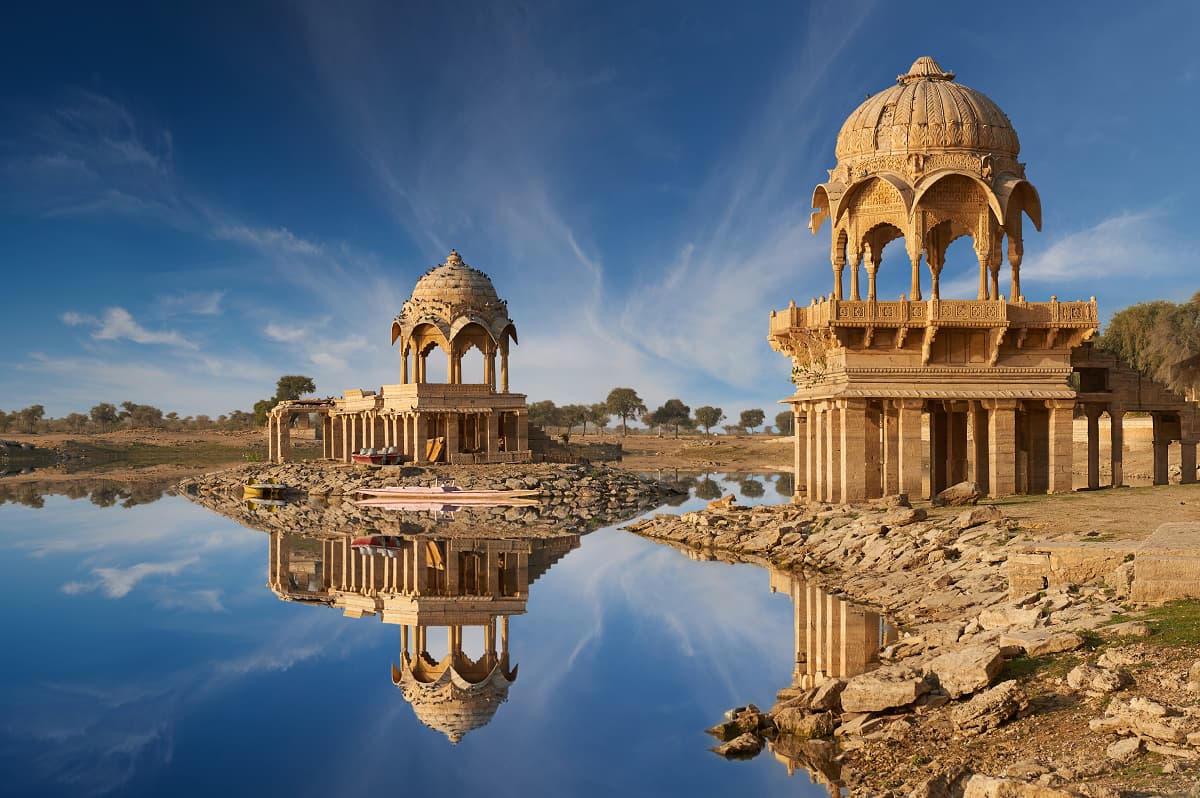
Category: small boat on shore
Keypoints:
(445, 492)
(389, 456)
(267, 489)
(443, 505)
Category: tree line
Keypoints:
(1161, 340)
(671, 416)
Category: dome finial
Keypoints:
(454, 257)
(925, 68)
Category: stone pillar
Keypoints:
(1187, 461)
(908, 412)
(811, 463)
(522, 431)
(493, 432)
(833, 453)
(1116, 432)
(270, 439)
(1093, 411)
(891, 449)
(980, 469)
(283, 448)
(504, 369)
(816, 453)
(1161, 444)
(1061, 411)
(852, 421)
(418, 439)
(1002, 446)
(800, 450)
(403, 365)
(872, 451)
(855, 257)
(452, 441)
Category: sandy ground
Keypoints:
(1124, 514)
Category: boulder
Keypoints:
(883, 689)
(990, 708)
(1007, 617)
(828, 695)
(1125, 749)
(1040, 642)
(1097, 680)
(980, 786)
(744, 746)
(958, 495)
(1130, 629)
(805, 725)
(977, 515)
(966, 670)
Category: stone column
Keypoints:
(504, 369)
(980, 469)
(270, 438)
(493, 432)
(853, 450)
(1093, 411)
(891, 449)
(1116, 432)
(522, 431)
(800, 450)
(1187, 461)
(1161, 444)
(833, 453)
(908, 412)
(450, 367)
(283, 448)
(855, 257)
(1002, 446)
(403, 366)
(1061, 411)
(872, 465)
(816, 458)
(418, 439)
(452, 441)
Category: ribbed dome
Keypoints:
(926, 111)
(456, 283)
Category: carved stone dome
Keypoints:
(456, 283)
(926, 112)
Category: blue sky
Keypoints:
(195, 199)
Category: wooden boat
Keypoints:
(388, 456)
(444, 492)
(269, 489)
(443, 505)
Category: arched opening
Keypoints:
(960, 269)
(472, 369)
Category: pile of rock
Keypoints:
(571, 498)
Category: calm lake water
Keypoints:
(145, 654)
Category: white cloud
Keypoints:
(272, 240)
(118, 582)
(118, 323)
(193, 303)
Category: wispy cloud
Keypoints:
(194, 303)
(118, 582)
(117, 323)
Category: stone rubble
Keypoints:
(941, 577)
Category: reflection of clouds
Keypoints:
(195, 600)
(117, 582)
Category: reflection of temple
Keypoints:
(833, 639)
(422, 583)
(453, 308)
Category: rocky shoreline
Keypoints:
(976, 670)
(570, 499)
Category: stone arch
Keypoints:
(872, 243)
(936, 192)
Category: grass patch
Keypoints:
(1174, 624)
(1051, 665)
(100, 456)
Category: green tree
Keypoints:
(751, 419)
(545, 414)
(292, 386)
(674, 414)
(261, 408)
(76, 421)
(625, 404)
(783, 422)
(598, 414)
(30, 417)
(1159, 339)
(104, 416)
(570, 415)
(141, 416)
(709, 417)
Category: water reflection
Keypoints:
(100, 492)
(834, 639)
(468, 587)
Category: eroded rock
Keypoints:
(966, 670)
(990, 708)
(882, 689)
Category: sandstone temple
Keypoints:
(453, 308)
(914, 394)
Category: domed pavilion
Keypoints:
(981, 389)
(453, 308)
(926, 161)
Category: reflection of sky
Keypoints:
(151, 659)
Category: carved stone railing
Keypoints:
(942, 312)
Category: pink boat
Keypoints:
(444, 492)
